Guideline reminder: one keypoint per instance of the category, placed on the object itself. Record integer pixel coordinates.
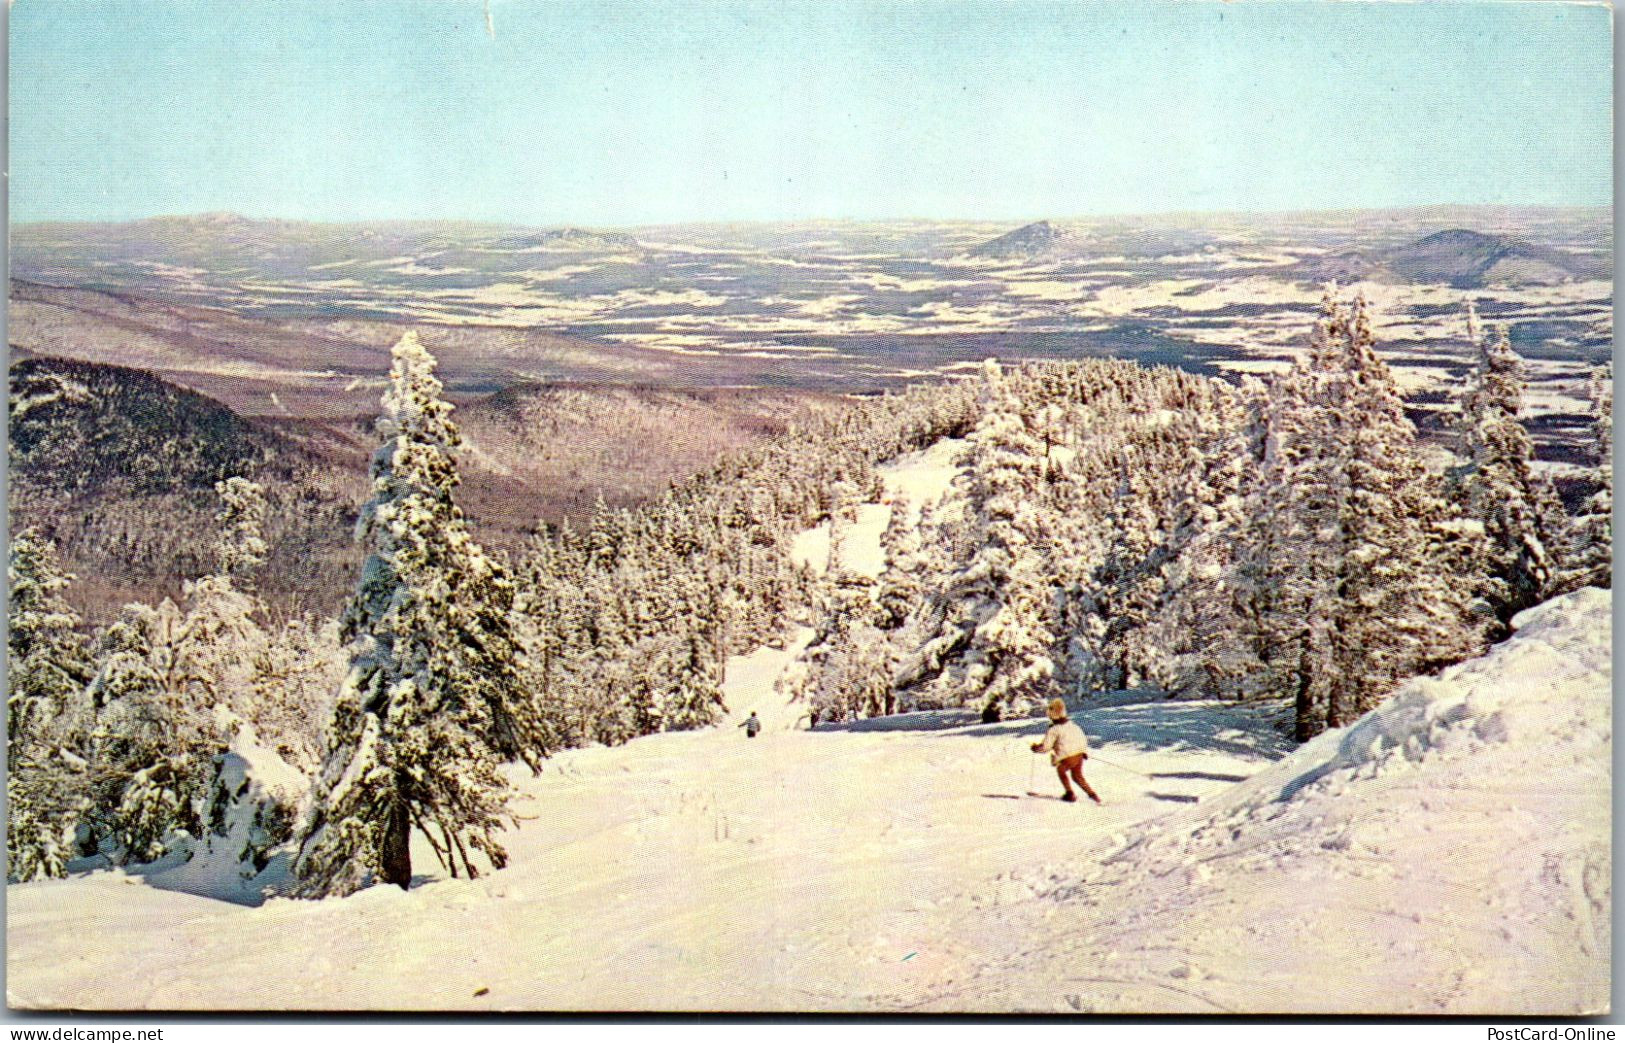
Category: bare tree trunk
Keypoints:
(1306, 726)
(1340, 689)
(396, 853)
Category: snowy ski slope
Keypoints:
(1448, 853)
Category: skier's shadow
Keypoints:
(1176, 798)
(1211, 776)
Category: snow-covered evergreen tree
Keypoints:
(1498, 487)
(693, 697)
(1348, 546)
(1006, 592)
(1590, 539)
(1399, 612)
(1292, 560)
(174, 683)
(433, 698)
(1207, 626)
(290, 698)
(155, 696)
(47, 667)
(240, 547)
(848, 675)
(46, 797)
(47, 661)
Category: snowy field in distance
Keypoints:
(862, 306)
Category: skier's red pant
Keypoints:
(1072, 768)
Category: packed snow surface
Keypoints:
(702, 870)
(1448, 853)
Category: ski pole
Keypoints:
(1032, 766)
(1119, 767)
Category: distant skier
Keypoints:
(751, 725)
(1068, 748)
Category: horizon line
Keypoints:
(238, 216)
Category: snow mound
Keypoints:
(1447, 853)
(244, 856)
(1527, 692)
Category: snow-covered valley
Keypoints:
(1446, 854)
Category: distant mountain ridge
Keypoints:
(227, 226)
(1463, 259)
(1038, 239)
(569, 239)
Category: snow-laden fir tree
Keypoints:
(156, 735)
(1498, 487)
(275, 736)
(47, 661)
(1206, 628)
(913, 608)
(1135, 533)
(550, 625)
(998, 605)
(1128, 586)
(47, 665)
(839, 682)
(1590, 539)
(240, 547)
(1351, 524)
(294, 677)
(692, 697)
(177, 685)
(900, 588)
(433, 699)
(848, 673)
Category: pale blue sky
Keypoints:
(628, 113)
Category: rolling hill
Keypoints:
(119, 465)
(1463, 259)
(1039, 239)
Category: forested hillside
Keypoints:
(1121, 527)
(1108, 526)
(118, 465)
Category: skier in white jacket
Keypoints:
(1068, 748)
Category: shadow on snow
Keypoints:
(1144, 721)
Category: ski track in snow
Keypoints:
(897, 864)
